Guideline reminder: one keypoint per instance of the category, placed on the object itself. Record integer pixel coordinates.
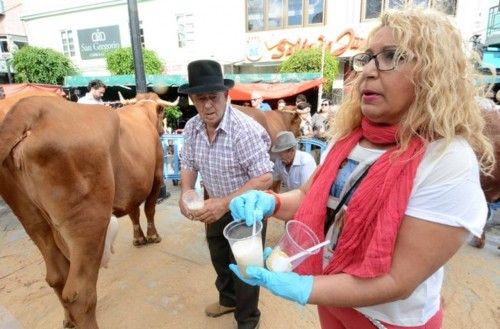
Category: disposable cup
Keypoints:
(296, 238)
(193, 199)
(246, 245)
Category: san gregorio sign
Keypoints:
(96, 41)
(258, 50)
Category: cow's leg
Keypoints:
(150, 208)
(139, 238)
(86, 248)
(57, 265)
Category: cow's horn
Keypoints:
(165, 103)
(126, 101)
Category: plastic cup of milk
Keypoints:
(296, 239)
(193, 199)
(246, 244)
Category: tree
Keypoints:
(309, 60)
(41, 65)
(121, 61)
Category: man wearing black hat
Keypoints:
(229, 150)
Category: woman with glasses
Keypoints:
(397, 192)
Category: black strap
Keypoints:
(330, 217)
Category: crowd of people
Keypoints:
(397, 191)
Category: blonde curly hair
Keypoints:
(445, 85)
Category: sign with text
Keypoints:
(96, 41)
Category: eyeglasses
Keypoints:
(386, 60)
(324, 104)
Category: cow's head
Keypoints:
(292, 119)
(159, 105)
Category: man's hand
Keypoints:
(212, 211)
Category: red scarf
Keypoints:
(375, 210)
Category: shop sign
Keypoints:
(281, 50)
(95, 42)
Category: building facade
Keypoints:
(254, 38)
(12, 35)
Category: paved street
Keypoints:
(168, 284)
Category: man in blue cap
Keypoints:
(229, 150)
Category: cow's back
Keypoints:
(491, 184)
(63, 151)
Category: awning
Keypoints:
(12, 89)
(177, 80)
(242, 92)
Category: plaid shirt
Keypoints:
(238, 153)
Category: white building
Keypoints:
(12, 34)
(246, 36)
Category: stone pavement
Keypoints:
(165, 285)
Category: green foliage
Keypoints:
(41, 65)
(121, 61)
(309, 60)
(172, 113)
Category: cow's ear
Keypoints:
(159, 109)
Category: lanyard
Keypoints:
(331, 214)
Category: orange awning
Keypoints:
(12, 89)
(242, 92)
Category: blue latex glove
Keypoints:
(288, 285)
(252, 206)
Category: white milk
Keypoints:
(248, 253)
(195, 205)
(278, 261)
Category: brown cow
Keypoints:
(64, 169)
(491, 184)
(7, 103)
(274, 121)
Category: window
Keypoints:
(265, 15)
(315, 12)
(294, 13)
(68, 44)
(275, 14)
(185, 30)
(372, 8)
(141, 34)
(255, 15)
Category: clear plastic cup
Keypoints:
(296, 238)
(246, 245)
(193, 199)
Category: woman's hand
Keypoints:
(288, 285)
(252, 206)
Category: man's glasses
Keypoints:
(324, 104)
(386, 60)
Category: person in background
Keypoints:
(258, 102)
(301, 98)
(293, 167)
(230, 152)
(281, 104)
(398, 191)
(96, 89)
(319, 120)
(304, 110)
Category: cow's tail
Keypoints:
(17, 126)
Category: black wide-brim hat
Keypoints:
(205, 76)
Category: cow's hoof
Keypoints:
(139, 242)
(479, 242)
(154, 238)
(68, 324)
